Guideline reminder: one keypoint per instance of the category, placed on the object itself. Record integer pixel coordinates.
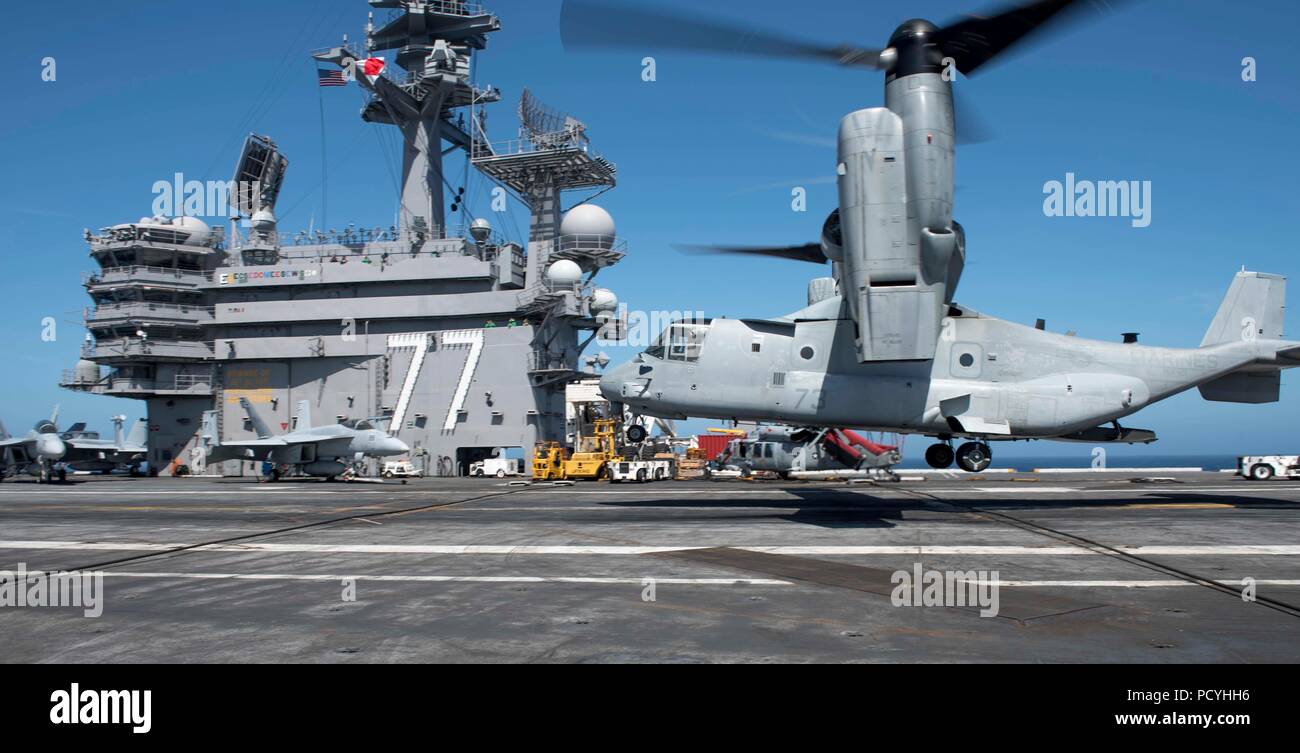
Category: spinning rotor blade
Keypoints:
(809, 252)
(975, 40)
(595, 25)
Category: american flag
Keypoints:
(330, 77)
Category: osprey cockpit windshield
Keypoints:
(681, 341)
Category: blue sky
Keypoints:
(707, 153)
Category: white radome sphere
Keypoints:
(564, 272)
(587, 219)
(263, 221)
(603, 299)
(198, 229)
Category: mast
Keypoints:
(432, 43)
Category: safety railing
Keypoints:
(152, 273)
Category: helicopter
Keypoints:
(882, 344)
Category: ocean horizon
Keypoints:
(1209, 462)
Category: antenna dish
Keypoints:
(548, 128)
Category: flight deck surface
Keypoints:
(1090, 567)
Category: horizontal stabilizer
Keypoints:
(1244, 387)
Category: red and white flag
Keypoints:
(372, 67)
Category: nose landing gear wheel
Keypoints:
(939, 456)
(636, 434)
(974, 457)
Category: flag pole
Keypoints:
(324, 169)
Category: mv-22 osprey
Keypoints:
(882, 345)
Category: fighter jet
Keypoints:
(87, 452)
(36, 453)
(47, 453)
(322, 451)
(882, 343)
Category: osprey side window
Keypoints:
(681, 341)
(686, 340)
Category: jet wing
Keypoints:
(16, 441)
(77, 443)
(254, 443)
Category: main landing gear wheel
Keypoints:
(636, 434)
(974, 457)
(939, 456)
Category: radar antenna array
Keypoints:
(258, 176)
(548, 128)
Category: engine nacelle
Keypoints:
(833, 237)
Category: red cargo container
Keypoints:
(713, 444)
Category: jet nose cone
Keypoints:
(51, 447)
(397, 446)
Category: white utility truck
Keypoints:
(499, 467)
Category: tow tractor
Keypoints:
(552, 463)
(642, 463)
(605, 442)
(600, 457)
(1265, 467)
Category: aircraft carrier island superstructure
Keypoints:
(459, 340)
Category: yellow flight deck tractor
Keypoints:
(548, 462)
(596, 452)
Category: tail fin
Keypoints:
(1252, 310)
(304, 415)
(139, 436)
(259, 426)
(209, 435)
(118, 438)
